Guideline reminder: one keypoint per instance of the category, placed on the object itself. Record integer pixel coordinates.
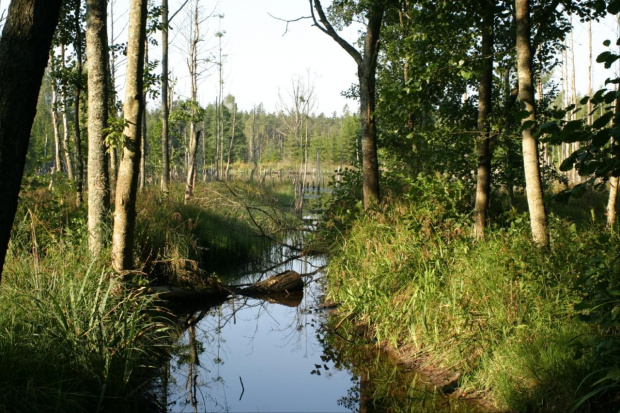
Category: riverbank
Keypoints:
(522, 328)
(70, 338)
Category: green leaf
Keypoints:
(602, 121)
(601, 138)
(567, 164)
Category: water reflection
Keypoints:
(253, 355)
(250, 355)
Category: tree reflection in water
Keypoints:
(251, 355)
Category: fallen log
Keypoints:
(286, 282)
(285, 288)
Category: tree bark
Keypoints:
(79, 162)
(127, 182)
(533, 184)
(612, 202)
(65, 121)
(165, 109)
(54, 113)
(366, 70)
(483, 150)
(366, 74)
(232, 139)
(98, 101)
(194, 136)
(24, 49)
(142, 179)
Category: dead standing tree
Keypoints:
(196, 66)
(294, 115)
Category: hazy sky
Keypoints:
(260, 60)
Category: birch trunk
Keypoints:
(232, 139)
(165, 108)
(54, 112)
(98, 101)
(533, 184)
(79, 162)
(65, 122)
(127, 182)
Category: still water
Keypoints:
(248, 355)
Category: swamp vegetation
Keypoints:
(461, 122)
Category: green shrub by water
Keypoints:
(509, 317)
(71, 338)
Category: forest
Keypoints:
(465, 203)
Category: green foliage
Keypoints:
(499, 312)
(114, 137)
(71, 337)
(600, 306)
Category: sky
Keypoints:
(262, 55)
(261, 58)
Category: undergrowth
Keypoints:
(222, 224)
(535, 330)
(71, 338)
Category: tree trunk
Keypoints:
(232, 139)
(612, 201)
(366, 70)
(533, 184)
(194, 136)
(366, 74)
(127, 182)
(191, 164)
(575, 145)
(111, 154)
(24, 49)
(65, 121)
(98, 101)
(165, 109)
(79, 162)
(54, 112)
(483, 151)
(142, 180)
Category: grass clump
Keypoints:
(509, 317)
(71, 339)
(223, 223)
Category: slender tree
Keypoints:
(483, 150)
(192, 63)
(24, 48)
(79, 162)
(54, 113)
(366, 68)
(127, 182)
(165, 109)
(98, 102)
(533, 184)
(65, 121)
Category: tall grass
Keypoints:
(224, 223)
(71, 338)
(500, 312)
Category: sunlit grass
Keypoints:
(71, 338)
(499, 312)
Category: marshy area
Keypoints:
(400, 311)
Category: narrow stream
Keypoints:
(248, 355)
